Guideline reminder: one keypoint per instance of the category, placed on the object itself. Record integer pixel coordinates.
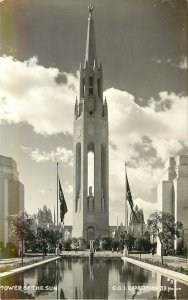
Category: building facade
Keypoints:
(91, 203)
(44, 218)
(45, 221)
(172, 192)
(11, 194)
(137, 225)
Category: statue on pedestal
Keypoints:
(90, 200)
(78, 202)
(102, 200)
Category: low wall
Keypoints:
(172, 274)
(28, 267)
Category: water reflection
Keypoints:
(78, 278)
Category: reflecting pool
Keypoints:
(78, 278)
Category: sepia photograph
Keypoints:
(94, 149)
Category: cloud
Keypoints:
(158, 60)
(143, 136)
(183, 63)
(117, 210)
(68, 188)
(36, 95)
(44, 98)
(143, 178)
(59, 154)
(163, 122)
(147, 207)
(171, 3)
(42, 191)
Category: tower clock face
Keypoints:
(91, 129)
(78, 132)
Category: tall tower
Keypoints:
(11, 194)
(91, 203)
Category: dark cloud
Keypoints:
(128, 35)
(163, 105)
(113, 146)
(61, 79)
(174, 3)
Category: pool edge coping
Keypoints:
(25, 268)
(183, 278)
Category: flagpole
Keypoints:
(126, 208)
(57, 194)
(54, 216)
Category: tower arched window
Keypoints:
(83, 87)
(98, 85)
(90, 86)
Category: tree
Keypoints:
(10, 250)
(41, 240)
(127, 239)
(47, 239)
(116, 244)
(2, 249)
(75, 243)
(181, 248)
(163, 226)
(142, 244)
(82, 243)
(53, 237)
(67, 244)
(106, 242)
(20, 228)
(98, 242)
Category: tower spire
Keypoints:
(91, 55)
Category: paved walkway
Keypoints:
(97, 254)
(13, 260)
(27, 267)
(12, 263)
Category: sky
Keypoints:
(142, 45)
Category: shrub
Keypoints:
(67, 244)
(143, 244)
(106, 243)
(181, 248)
(10, 250)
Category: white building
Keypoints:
(11, 194)
(172, 192)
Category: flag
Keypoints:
(63, 205)
(130, 199)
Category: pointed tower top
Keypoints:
(91, 55)
(91, 8)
